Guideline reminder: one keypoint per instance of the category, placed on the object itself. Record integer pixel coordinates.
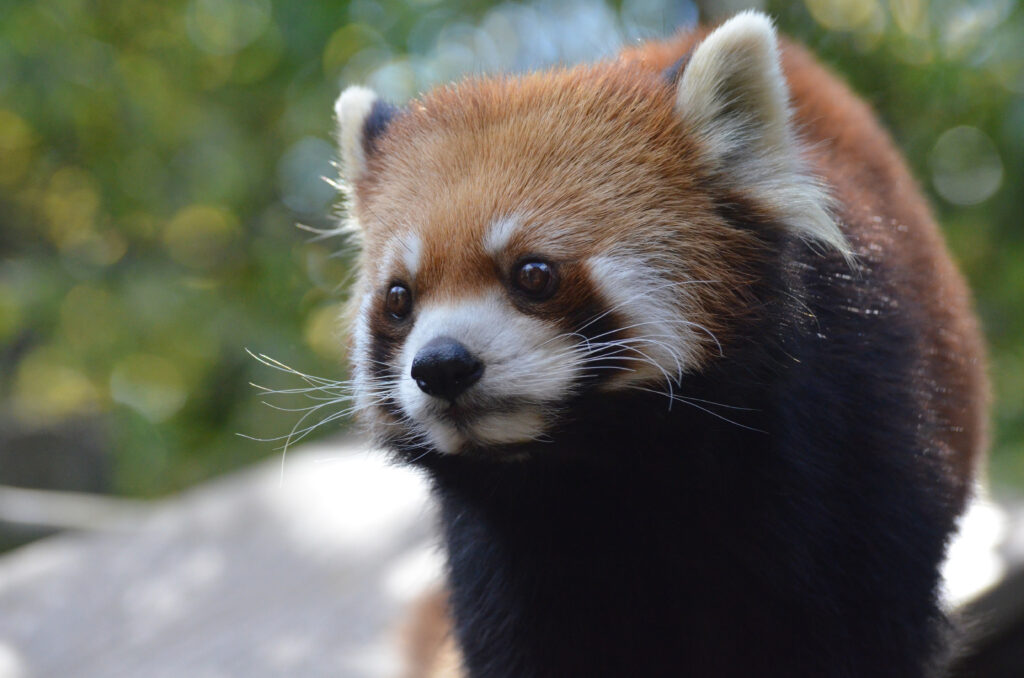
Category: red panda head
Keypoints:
(528, 240)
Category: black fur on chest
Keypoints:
(798, 536)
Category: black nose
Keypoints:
(445, 368)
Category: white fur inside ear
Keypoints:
(351, 109)
(733, 95)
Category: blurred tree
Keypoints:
(154, 158)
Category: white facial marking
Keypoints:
(661, 344)
(528, 366)
(505, 427)
(412, 249)
(500, 233)
(401, 252)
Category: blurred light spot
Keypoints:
(201, 236)
(142, 174)
(10, 315)
(870, 34)
(71, 202)
(645, 19)
(478, 46)
(90, 319)
(288, 652)
(1005, 57)
(96, 249)
(395, 81)
(47, 389)
(216, 71)
(225, 26)
(11, 663)
(973, 561)
(327, 267)
(257, 60)
(300, 174)
(452, 60)
(329, 488)
(423, 34)
(8, 72)
(16, 141)
(842, 15)
(363, 63)
(501, 35)
(149, 385)
(414, 573)
(323, 332)
(538, 37)
(966, 168)
(590, 31)
(911, 16)
(1013, 124)
(1010, 72)
(214, 169)
(93, 62)
(968, 23)
(372, 14)
(138, 225)
(345, 43)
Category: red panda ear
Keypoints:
(733, 95)
(362, 118)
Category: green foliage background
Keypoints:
(155, 157)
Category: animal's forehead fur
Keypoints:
(585, 151)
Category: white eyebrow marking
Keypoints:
(412, 247)
(405, 249)
(499, 233)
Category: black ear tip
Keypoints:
(380, 116)
(674, 73)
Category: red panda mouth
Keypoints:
(459, 414)
(464, 415)
(480, 425)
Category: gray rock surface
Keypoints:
(261, 574)
(304, 573)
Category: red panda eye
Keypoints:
(399, 301)
(536, 278)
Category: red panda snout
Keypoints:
(475, 372)
(445, 368)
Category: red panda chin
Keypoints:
(460, 432)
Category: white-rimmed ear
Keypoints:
(362, 117)
(733, 95)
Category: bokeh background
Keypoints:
(156, 157)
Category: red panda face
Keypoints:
(511, 260)
(526, 241)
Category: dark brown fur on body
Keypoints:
(817, 502)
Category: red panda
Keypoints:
(680, 348)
